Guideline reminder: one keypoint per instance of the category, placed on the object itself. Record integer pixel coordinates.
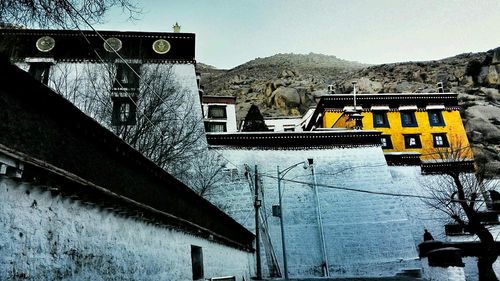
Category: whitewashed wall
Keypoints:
(366, 234)
(230, 121)
(53, 238)
(410, 180)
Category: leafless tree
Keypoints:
(210, 168)
(169, 130)
(461, 196)
(61, 13)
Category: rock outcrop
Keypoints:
(288, 84)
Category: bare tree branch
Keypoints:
(62, 13)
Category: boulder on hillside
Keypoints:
(238, 79)
(404, 87)
(288, 74)
(319, 93)
(365, 85)
(491, 94)
(493, 76)
(480, 120)
(273, 85)
(285, 98)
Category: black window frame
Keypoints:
(209, 130)
(40, 71)
(385, 120)
(418, 143)
(117, 115)
(444, 140)
(413, 118)
(130, 72)
(440, 116)
(212, 107)
(388, 142)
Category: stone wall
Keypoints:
(366, 234)
(43, 237)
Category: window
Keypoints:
(127, 76)
(197, 262)
(440, 140)
(386, 142)
(436, 118)
(214, 127)
(380, 119)
(412, 141)
(40, 71)
(124, 111)
(408, 119)
(217, 112)
(231, 174)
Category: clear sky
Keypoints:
(232, 32)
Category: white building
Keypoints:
(219, 113)
(286, 123)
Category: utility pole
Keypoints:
(257, 204)
(326, 271)
(282, 225)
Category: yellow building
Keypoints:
(423, 125)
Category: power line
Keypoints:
(369, 191)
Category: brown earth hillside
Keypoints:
(287, 84)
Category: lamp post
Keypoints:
(281, 175)
(324, 265)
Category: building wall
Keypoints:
(282, 124)
(410, 181)
(43, 237)
(230, 119)
(453, 128)
(366, 234)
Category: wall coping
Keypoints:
(296, 140)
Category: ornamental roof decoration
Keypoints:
(295, 140)
(392, 101)
(93, 46)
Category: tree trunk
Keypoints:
(485, 269)
(489, 251)
(488, 256)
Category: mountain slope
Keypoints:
(287, 84)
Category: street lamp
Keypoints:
(281, 175)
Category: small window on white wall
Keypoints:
(217, 111)
(215, 127)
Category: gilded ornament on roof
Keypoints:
(113, 44)
(161, 46)
(45, 43)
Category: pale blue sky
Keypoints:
(231, 32)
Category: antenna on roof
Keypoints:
(354, 92)
(440, 87)
(331, 89)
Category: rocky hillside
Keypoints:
(287, 84)
(281, 85)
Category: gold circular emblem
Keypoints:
(45, 43)
(161, 46)
(112, 44)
